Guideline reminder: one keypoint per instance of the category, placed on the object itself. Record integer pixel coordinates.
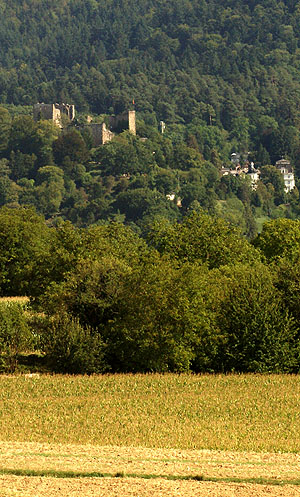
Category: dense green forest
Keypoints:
(230, 63)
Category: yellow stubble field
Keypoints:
(150, 435)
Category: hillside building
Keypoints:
(101, 132)
(253, 174)
(53, 112)
(284, 166)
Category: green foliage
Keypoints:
(22, 165)
(287, 281)
(136, 179)
(15, 335)
(233, 211)
(126, 154)
(72, 348)
(159, 321)
(202, 238)
(32, 139)
(224, 78)
(69, 148)
(63, 250)
(259, 334)
(84, 267)
(203, 302)
(24, 240)
(271, 176)
(90, 291)
(5, 123)
(225, 65)
(280, 238)
(165, 180)
(50, 190)
(142, 202)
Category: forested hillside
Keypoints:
(223, 76)
(231, 64)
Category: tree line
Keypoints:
(195, 296)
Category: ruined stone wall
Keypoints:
(123, 121)
(67, 109)
(100, 133)
(107, 135)
(53, 112)
(56, 116)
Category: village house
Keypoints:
(237, 171)
(284, 166)
(253, 174)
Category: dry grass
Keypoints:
(143, 462)
(50, 487)
(150, 425)
(236, 413)
(157, 462)
(13, 486)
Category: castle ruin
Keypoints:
(123, 121)
(100, 133)
(53, 112)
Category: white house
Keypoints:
(253, 174)
(284, 166)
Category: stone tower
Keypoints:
(123, 121)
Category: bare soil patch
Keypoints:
(139, 462)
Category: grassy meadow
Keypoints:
(258, 413)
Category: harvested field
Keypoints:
(150, 435)
(145, 472)
(50, 487)
(143, 461)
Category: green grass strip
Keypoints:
(259, 481)
(77, 474)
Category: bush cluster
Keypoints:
(197, 297)
(15, 335)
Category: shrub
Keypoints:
(71, 347)
(15, 335)
(260, 334)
